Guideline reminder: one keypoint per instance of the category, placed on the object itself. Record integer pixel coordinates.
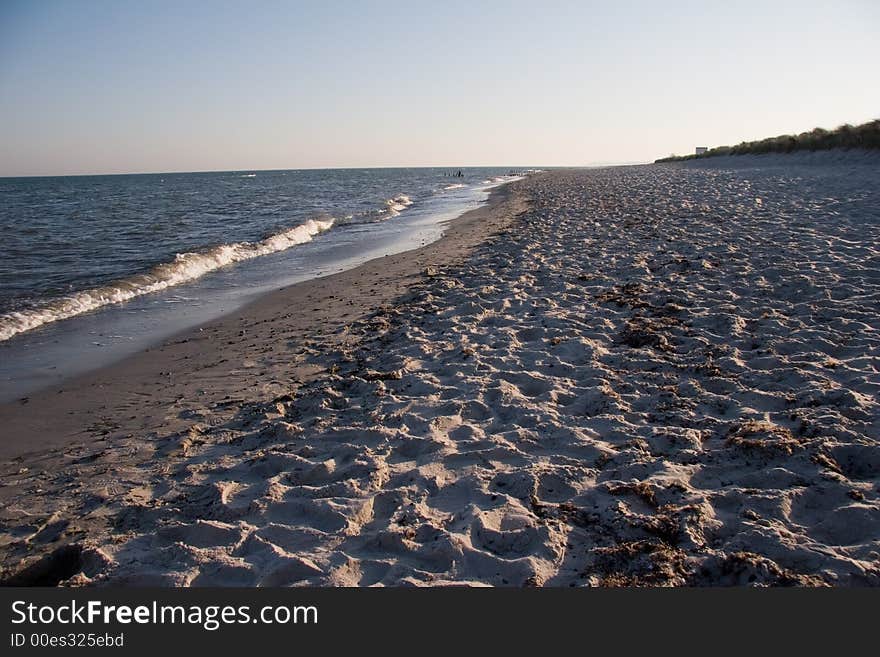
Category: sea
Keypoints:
(95, 268)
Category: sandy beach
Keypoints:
(648, 375)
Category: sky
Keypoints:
(119, 86)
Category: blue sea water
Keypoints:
(95, 267)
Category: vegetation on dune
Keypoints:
(865, 136)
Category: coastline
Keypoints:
(198, 287)
(651, 375)
(156, 376)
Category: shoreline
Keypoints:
(65, 340)
(643, 376)
(97, 392)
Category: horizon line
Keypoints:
(344, 168)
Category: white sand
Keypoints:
(659, 375)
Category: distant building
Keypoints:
(701, 150)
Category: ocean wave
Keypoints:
(394, 206)
(398, 204)
(455, 186)
(184, 268)
(495, 180)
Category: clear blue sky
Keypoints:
(121, 86)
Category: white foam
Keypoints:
(184, 268)
(455, 186)
(394, 206)
(498, 180)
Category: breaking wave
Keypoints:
(184, 268)
(394, 206)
